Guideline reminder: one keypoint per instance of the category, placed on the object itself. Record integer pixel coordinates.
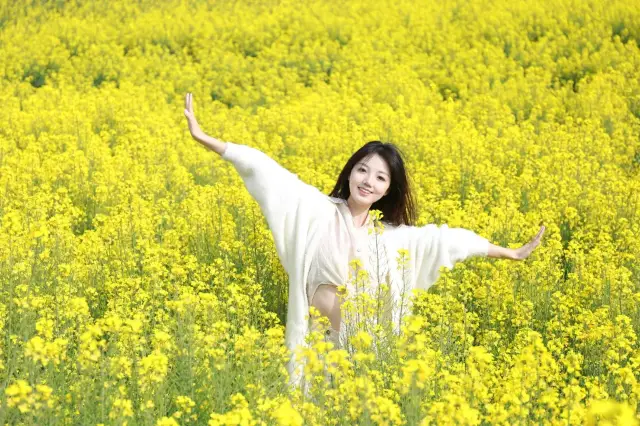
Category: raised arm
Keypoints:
(270, 184)
(209, 142)
(520, 253)
(289, 205)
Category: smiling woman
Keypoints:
(318, 236)
(375, 178)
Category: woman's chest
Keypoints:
(351, 249)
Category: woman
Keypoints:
(316, 235)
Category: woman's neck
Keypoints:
(358, 212)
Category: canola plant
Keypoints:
(139, 283)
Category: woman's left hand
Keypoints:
(524, 251)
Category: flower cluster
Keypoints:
(139, 282)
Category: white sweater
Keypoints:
(341, 243)
(297, 212)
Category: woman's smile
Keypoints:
(364, 192)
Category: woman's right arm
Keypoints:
(197, 133)
(267, 181)
(289, 204)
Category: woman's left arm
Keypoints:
(520, 253)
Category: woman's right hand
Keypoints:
(194, 127)
(195, 130)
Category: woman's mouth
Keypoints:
(364, 191)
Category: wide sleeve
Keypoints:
(432, 247)
(288, 204)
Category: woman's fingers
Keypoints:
(528, 248)
(536, 240)
(538, 237)
(188, 106)
(188, 102)
(187, 110)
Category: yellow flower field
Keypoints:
(139, 283)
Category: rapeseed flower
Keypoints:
(140, 282)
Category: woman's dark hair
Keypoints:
(398, 206)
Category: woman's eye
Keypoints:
(361, 169)
(381, 178)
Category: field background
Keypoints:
(139, 283)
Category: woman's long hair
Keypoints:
(398, 206)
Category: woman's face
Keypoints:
(369, 180)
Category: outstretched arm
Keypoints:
(197, 133)
(290, 205)
(520, 253)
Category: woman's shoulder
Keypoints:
(324, 203)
